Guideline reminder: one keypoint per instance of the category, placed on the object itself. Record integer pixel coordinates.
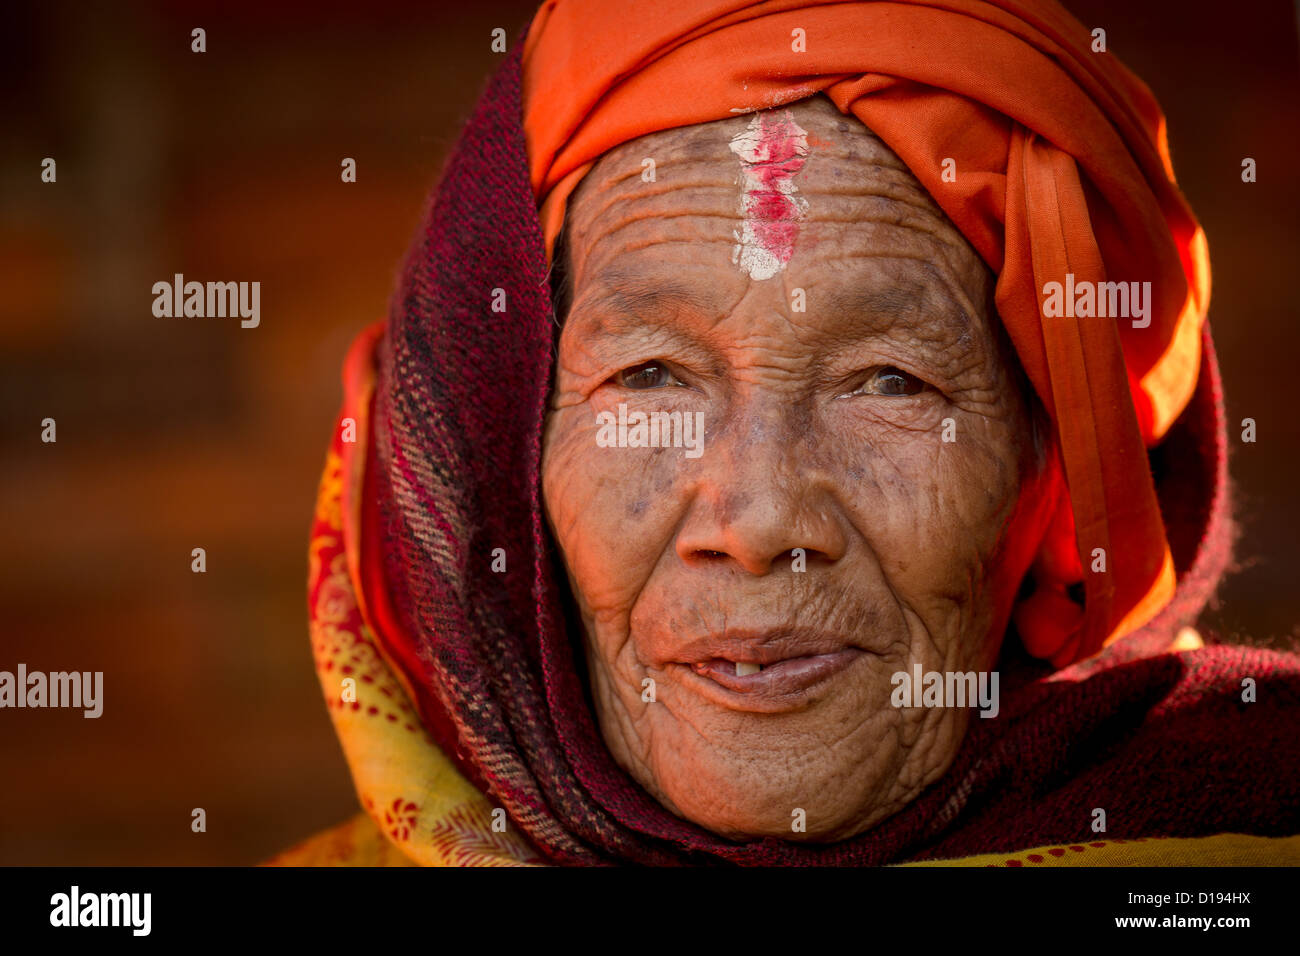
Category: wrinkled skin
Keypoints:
(914, 546)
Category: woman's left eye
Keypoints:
(646, 375)
(890, 381)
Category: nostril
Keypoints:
(799, 558)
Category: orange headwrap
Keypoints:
(1062, 168)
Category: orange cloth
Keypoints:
(1062, 167)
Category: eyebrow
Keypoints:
(636, 294)
(632, 302)
(931, 304)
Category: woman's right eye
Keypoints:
(646, 375)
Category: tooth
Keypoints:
(744, 668)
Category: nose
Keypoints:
(758, 501)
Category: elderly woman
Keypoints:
(797, 439)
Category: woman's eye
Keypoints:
(890, 381)
(646, 375)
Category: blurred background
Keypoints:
(197, 433)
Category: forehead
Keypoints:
(701, 170)
(868, 234)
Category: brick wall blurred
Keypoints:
(181, 434)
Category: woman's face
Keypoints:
(866, 495)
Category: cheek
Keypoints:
(612, 510)
(936, 514)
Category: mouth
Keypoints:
(767, 675)
(789, 675)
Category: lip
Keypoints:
(794, 666)
(765, 647)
